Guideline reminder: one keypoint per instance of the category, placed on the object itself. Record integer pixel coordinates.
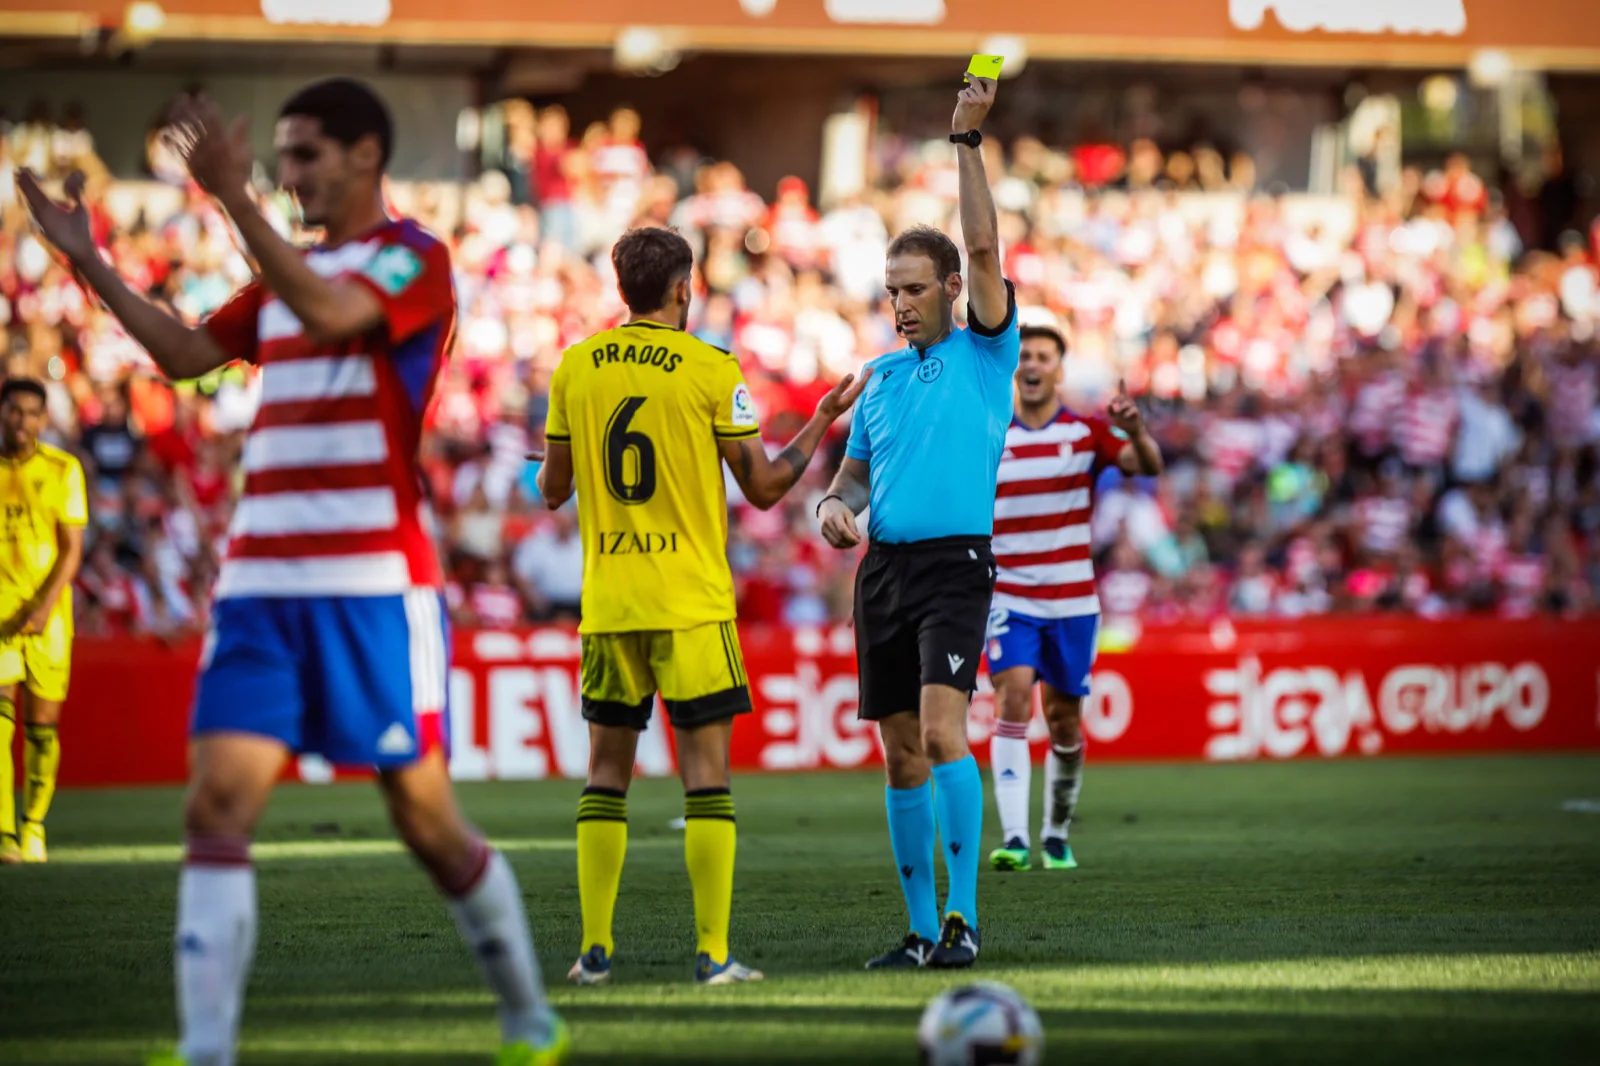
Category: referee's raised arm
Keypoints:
(987, 299)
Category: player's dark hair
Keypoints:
(925, 240)
(649, 261)
(348, 111)
(1050, 332)
(27, 386)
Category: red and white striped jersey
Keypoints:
(1044, 497)
(1125, 592)
(333, 501)
(1232, 445)
(1427, 425)
(1522, 578)
(1372, 415)
(1384, 522)
(496, 606)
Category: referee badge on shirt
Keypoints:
(929, 369)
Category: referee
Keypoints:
(923, 451)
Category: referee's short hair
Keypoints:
(649, 260)
(348, 111)
(1050, 332)
(935, 244)
(25, 386)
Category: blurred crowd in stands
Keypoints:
(1381, 401)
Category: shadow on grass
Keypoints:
(1181, 1027)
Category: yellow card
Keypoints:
(986, 67)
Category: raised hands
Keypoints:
(217, 152)
(1124, 413)
(973, 104)
(66, 226)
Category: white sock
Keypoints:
(216, 943)
(1012, 767)
(1063, 780)
(495, 927)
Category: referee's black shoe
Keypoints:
(910, 954)
(958, 945)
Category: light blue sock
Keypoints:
(911, 833)
(958, 798)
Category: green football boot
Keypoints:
(1012, 856)
(1058, 855)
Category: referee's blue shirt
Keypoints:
(931, 427)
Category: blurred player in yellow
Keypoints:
(642, 418)
(41, 545)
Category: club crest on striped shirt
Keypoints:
(393, 268)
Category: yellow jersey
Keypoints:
(643, 407)
(38, 493)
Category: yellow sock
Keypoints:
(8, 781)
(602, 845)
(42, 749)
(708, 846)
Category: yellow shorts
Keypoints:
(41, 661)
(699, 673)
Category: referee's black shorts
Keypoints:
(921, 613)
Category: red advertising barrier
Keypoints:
(1228, 691)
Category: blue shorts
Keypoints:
(1060, 650)
(359, 680)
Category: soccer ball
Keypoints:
(981, 1024)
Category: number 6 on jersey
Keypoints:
(621, 443)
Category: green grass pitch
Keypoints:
(1408, 911)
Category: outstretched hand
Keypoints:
(66, 226)
(843, 395)
(217, 152)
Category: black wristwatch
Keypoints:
(971, 138)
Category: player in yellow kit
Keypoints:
(41, 545)
(642, 418)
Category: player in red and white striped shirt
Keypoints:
(1425, 428)
(328, 634)
(1046, 616)
(1375, 408)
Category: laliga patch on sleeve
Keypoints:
(1119, 433)
(393, 268)
(744, 407)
